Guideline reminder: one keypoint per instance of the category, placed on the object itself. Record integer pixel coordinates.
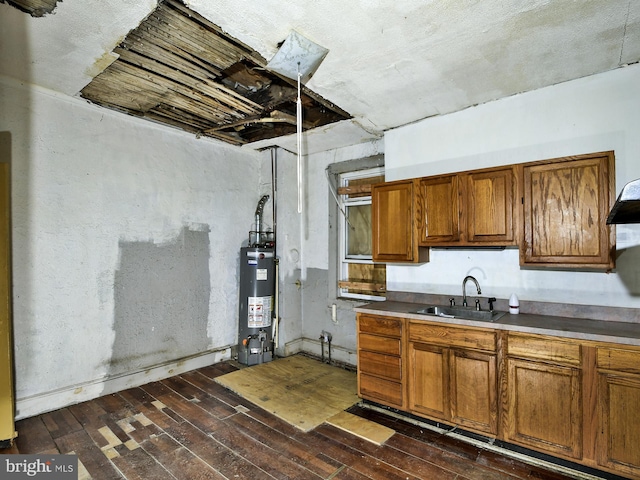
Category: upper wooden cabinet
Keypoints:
(554, 210)
(469, 208)
(566, 203)
(491, 206)
(393, 222)
(438, 210)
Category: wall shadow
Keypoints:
(627, 267)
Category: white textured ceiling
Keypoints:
(390, 62)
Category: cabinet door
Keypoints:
(429, 380)
(565, 209)
(393, 222)
(473, 381)
(618, 422)
(438, 210)
(489, 206)
(544, 407)
(619, 432)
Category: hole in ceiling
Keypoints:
(35, 8)
(179, 69)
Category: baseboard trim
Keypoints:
(46, 402)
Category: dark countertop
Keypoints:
(577, 328)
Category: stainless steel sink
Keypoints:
(468, 313)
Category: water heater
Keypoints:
(257, 290)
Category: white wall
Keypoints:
(98, 199)
(318, 289)
(593, 114)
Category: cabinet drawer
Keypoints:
(379, 364)
(379, 344)
(543, 348)
(452, 336)
(381, 390)
(620, 359)
(391, 327)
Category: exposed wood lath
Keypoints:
(179, 69)
(36, 8)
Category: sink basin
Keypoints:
(468, 313)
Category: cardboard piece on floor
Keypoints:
(361, 427)
(299, 390)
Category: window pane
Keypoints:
(359, 230)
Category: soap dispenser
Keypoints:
(514, 304)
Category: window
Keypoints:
(358, 276)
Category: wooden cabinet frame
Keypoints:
(574, 399)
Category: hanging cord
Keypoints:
(299, 135)
(335, 197)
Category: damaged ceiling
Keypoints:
(199, 65)
(35, 8)
(179, 69)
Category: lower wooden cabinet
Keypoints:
(452, 375)
(618, 443)
(544, 394)
(380, 366)
(573, 399)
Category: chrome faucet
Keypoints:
(464, 284)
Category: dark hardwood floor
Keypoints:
(189, 427)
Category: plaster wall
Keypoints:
(317, 238)
(592, 114)
(126, 238)
(288, 249)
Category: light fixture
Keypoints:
(297, 55)
(298, 58)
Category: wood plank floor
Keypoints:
(189, 427)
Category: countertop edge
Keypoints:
(573, 328)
